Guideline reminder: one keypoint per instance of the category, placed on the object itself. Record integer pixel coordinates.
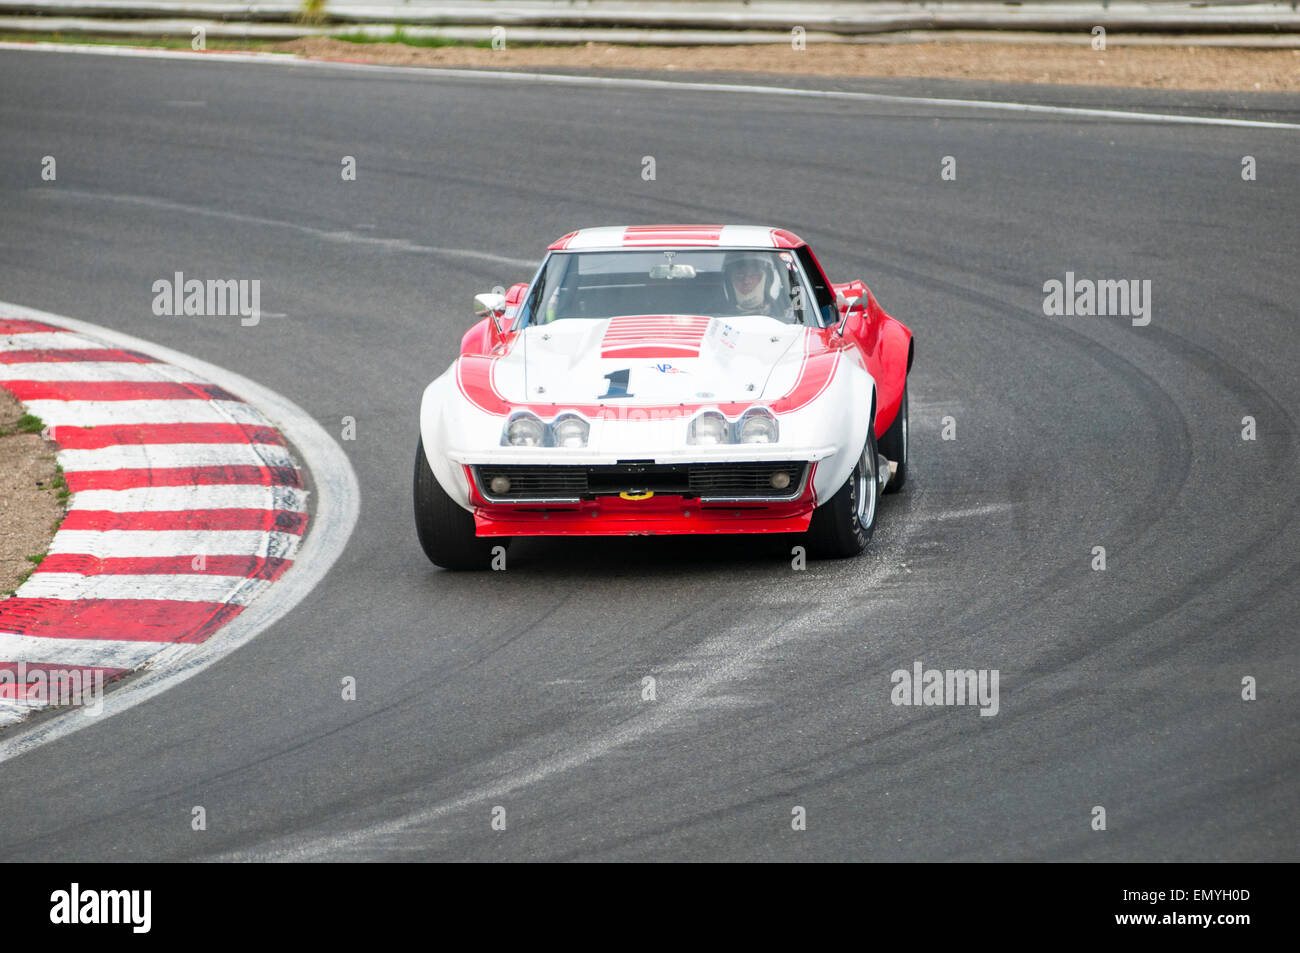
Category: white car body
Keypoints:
(813, 380)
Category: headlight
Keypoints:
(571, 431)
(524, 430)
(757, 426)
(708, 429)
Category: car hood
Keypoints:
(652, 359)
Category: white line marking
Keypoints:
(137, 543)
(187, 587)
(611, 81)
(105, 413)
(223, 497)
(91, 371)
(157, 456)
(329, 235)
(12, 711)
(109, 653)
(229, 56)
(984, 510)
(728, 658)
(47, 341)
(337, 505)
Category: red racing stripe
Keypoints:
(268, 521)
(182, 476)
(673, 234)
(249, 567)
(663, 350)
(53, 672)
(72, 354)
(94, 438)
(474, 378)
(19, 326)
(115, 390)
(133, 620)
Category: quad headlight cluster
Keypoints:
(711, 428)
(756, 425)
(525, 429)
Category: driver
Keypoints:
(751, 285)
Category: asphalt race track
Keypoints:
(1120, 688)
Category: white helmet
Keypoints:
(749, 281)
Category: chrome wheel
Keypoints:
(904, 434)
(865, 487)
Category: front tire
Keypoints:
(894, 445)
(446, 530)
(843, 525)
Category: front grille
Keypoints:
(535, 482)
(743, 479)
(702, 480)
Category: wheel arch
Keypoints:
(436, 432)
(893, 362)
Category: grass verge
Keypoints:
(400, 35)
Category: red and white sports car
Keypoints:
(666, 379)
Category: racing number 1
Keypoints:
(617, 384)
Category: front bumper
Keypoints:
(747, 482)
(655, 514)
(666, 515)
(725, 453)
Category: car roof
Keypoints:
(677, 236)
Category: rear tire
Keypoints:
(842, 526)
(894, 445)
(446, 530)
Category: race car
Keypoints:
(671, 379)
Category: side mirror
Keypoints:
(846, 305)
(489, 304)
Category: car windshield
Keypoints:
(711, 282)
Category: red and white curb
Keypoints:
(186, 507)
